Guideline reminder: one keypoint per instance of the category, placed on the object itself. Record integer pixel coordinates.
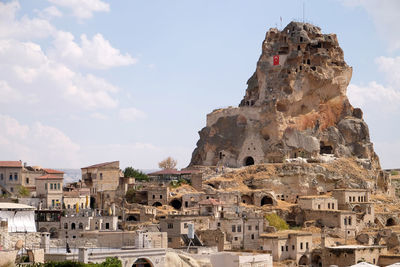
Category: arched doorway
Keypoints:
(43, 229)
(357, 209)
(390, 222)
(248, 161)
(157, 204)
(132, 218)
(303, 261)
(142, 262)
(176, 204)
(316, 261)
(266, 200)
(53, 232)
(247, 200)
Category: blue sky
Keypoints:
(88, 81)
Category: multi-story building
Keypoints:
(101, 177)
(49, 188)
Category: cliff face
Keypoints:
(295, 106)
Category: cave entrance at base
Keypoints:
(266, 200)
(303, 261)
(316, 261)
(142, 262)
(157, 204)
(323, 149)
(248, 161)
(390, 222)
(176, 204)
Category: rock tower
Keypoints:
(295, 106)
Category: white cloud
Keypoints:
(8, 94)
(37, 143)
(23, 29)
(34, 74)
(96, 53)
(98, 116)
(390, 66)
(49, 13)
(83, 9)
(385, 17)
(131, 114)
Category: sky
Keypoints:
(89, 81)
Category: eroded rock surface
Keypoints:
(295, 106)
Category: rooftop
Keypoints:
(283, 234)
(51, 171)
(12, 164)
(100, 165)
(50, 176)
(14, 206)
(355, 247)
(315, 196)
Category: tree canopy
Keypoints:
(137, 174)
(168, 163)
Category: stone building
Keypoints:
(101, 177)
(288, 245)
(347, 196)
(78, 196)
(49, 188)
(348, 255)
(319, 202)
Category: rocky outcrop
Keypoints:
(295, 106)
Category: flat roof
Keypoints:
(285, 233)
(351, 189)
(355, 247)
(315, 196)
(14, 206)
(11, 164)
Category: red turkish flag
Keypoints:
(276, 60)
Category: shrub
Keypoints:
(276, 221)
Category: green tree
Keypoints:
(23, 191)
(137, 174)
(276, 221)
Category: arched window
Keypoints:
(73, 226)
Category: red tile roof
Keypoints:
(14, 164)
(165, 172)
(49, 176)
(99, 165)
(52, 171)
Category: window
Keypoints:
(185, 225)
(154, 196)
(292, 247)
(53, 202)
(72, 226)
(319, 206)
(282, 248)
(345, 221)
(58, 186)
(170, 226)
(233, 228)
(249, 227)
(11, 189)
(252, 236)
(349, 220)
(287, 248)
(186, 204)
(301, 245)
(219, 224)
(65, 225)
(354, 199)
(101, 176)
(69, 206)
(107, 225)
(1, 176)
(306, 245)
(160, 196)
(81, 226)
(169, 239)
(239, 228)
(349, 199)
(10, 176)
(26, 180)
(51, 186)
(236, 238)
(329, 205)
(256, 227)
(16, 176)
(333, 206)
(45, 186)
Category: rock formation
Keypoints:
(295, 106)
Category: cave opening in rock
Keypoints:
(266, 200)
(176, 204)
(249, 161)
(390, 222)
(324, 149)
(157, 204)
